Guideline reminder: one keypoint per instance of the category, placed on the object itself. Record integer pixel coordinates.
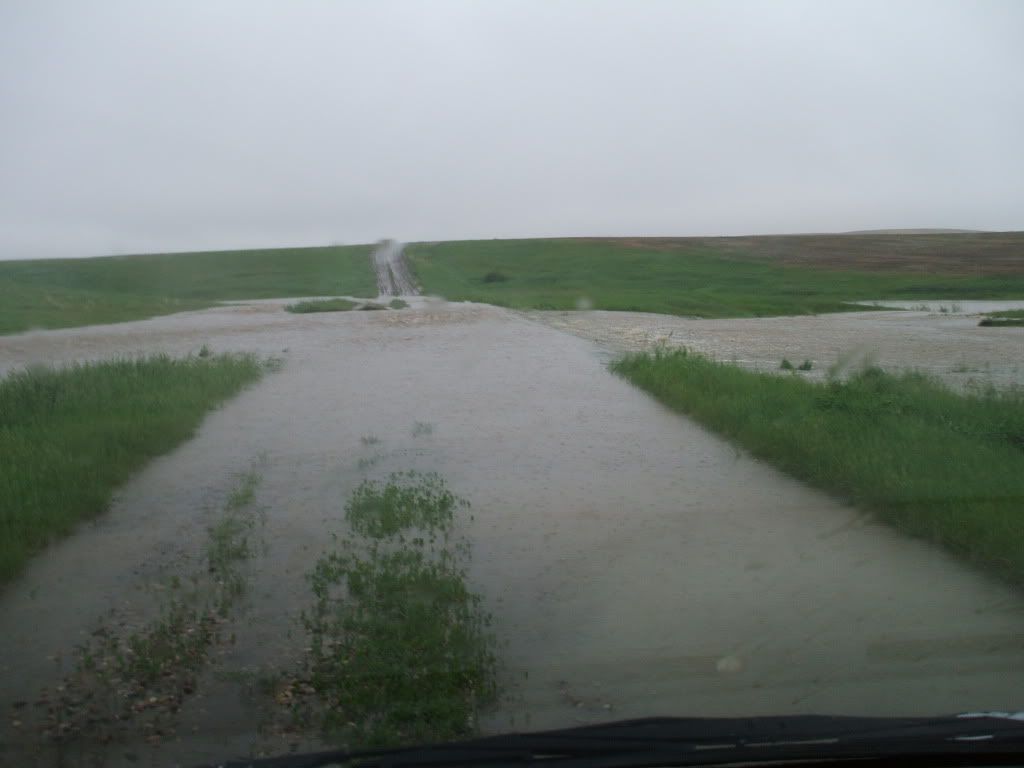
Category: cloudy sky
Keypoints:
(154, 126)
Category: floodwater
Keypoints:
(950, 346)
(634, 563)
(968, 306)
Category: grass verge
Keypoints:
(400, 647)
(321, 305)
(945, 467)
(698, 278)
(70, 436)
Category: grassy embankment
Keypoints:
(945, 467)
(698, 278)
(70, 436)
(1004, 318)
(58, 293)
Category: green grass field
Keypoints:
(691, 279)
(706, 277)
(70, 436)
(57, 293)
(945, 467)
(24, 306)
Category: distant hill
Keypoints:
(919, 231)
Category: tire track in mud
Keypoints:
(393, 275)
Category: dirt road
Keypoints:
(634, 563)
(393, 275)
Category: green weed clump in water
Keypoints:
(398, 304)
(406, 501)
(935, 464)
(1008, 314)
(1004, 318)
(70, 436)
(400, 650)
(321, 305)
(229, 542)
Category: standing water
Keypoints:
(634, 564)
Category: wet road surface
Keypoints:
(393, 275)
(635, 564)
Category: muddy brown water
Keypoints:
(634, 563)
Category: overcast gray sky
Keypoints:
(143, 126)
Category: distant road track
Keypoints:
(393, 276)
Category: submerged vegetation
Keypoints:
(399, 647)
(400, 650)
(1004, 318)
(70, 436)
(132, 680)
(942, 466)
(321, 305)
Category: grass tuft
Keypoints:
(1007, 318)
(938, 465)
(400, 647)
(321, 305)
(406, 501)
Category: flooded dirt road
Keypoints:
(393, 275)
(634, 563)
